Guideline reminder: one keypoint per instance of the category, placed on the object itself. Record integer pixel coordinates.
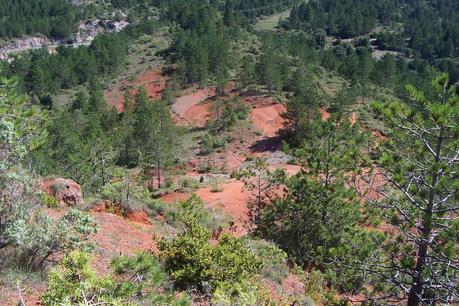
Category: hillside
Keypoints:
(229, 153)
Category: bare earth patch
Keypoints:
(153, 80)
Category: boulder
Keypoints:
(64, 190)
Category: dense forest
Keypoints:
(422, 30)
(313, 162)
(53, 18)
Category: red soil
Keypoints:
(153, 80)
(138, 216)
(198, 114)
(118, 236)
(325, 114)
(31, 294)
(268, 119)
(184, 103)
(232, 199)
(176, 196)
(354, 118)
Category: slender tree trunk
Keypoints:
(416, 290)
(158, 172)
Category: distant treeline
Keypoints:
(430, 28)
(426, 31)
(53, 18)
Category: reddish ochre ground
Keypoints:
(153, 80)
(119, 236)
(268, 119)
(192, 108)
(232, 200)
(325, 114)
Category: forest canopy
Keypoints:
(52, 18)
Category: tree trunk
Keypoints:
(158, 172)
(416, 290)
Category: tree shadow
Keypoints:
(270, 144)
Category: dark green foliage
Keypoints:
(53, 18)
(319, 220)
(343, 18)
(226, 113)
(428, 31)
(89, 139)
(253, 8)
(83, 144)
(154, 135)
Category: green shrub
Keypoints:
(192, 208)
(58, 187)
(247, 292)
(196, 262)
(209, 143)
(228, 112)
(179, 212)
(274, 259)
(42, 237)
(50, 201)
(215, 189)
(239, 174)
(189, 183)
(204, 168)
(75, 282)
(143, 276)
(139, 280)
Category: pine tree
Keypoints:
(419, 164)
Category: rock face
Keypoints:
(64, 190)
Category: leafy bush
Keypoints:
(143, 276)
(179, 212)
(193, 208)
(196, 262)
(239, 173)
(189, 183)
(50, 201)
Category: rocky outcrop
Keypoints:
(65, 191)
(87, 31)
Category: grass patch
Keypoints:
(269, 23)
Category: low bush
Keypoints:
(138, 280)
(274, 259)
(247, 292)
(195, 262)
(37, 239)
